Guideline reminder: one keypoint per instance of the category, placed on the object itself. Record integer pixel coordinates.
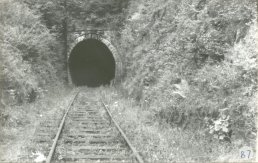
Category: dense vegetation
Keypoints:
(80, 13)
(193, 64)
(29, 54)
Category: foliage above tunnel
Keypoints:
(80, 13)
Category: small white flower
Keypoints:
(221, 137)
(40, 157)
(224, 129)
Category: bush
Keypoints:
(28, 53)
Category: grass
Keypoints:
(18, 128)
(157, 141)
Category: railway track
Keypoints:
(88, 133)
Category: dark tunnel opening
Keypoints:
(91, 63)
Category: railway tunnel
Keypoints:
(91, 63)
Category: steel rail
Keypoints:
(51, 153)
(136, 154)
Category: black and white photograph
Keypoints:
(128, 81)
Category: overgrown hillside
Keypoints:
(192, 64)
(29, 54)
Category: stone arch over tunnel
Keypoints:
(91, 63)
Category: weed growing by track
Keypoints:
(158, 141)
(20, 122)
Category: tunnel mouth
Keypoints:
(91, 64)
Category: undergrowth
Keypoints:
(30, 54)
(157, 141)
(18, 123)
